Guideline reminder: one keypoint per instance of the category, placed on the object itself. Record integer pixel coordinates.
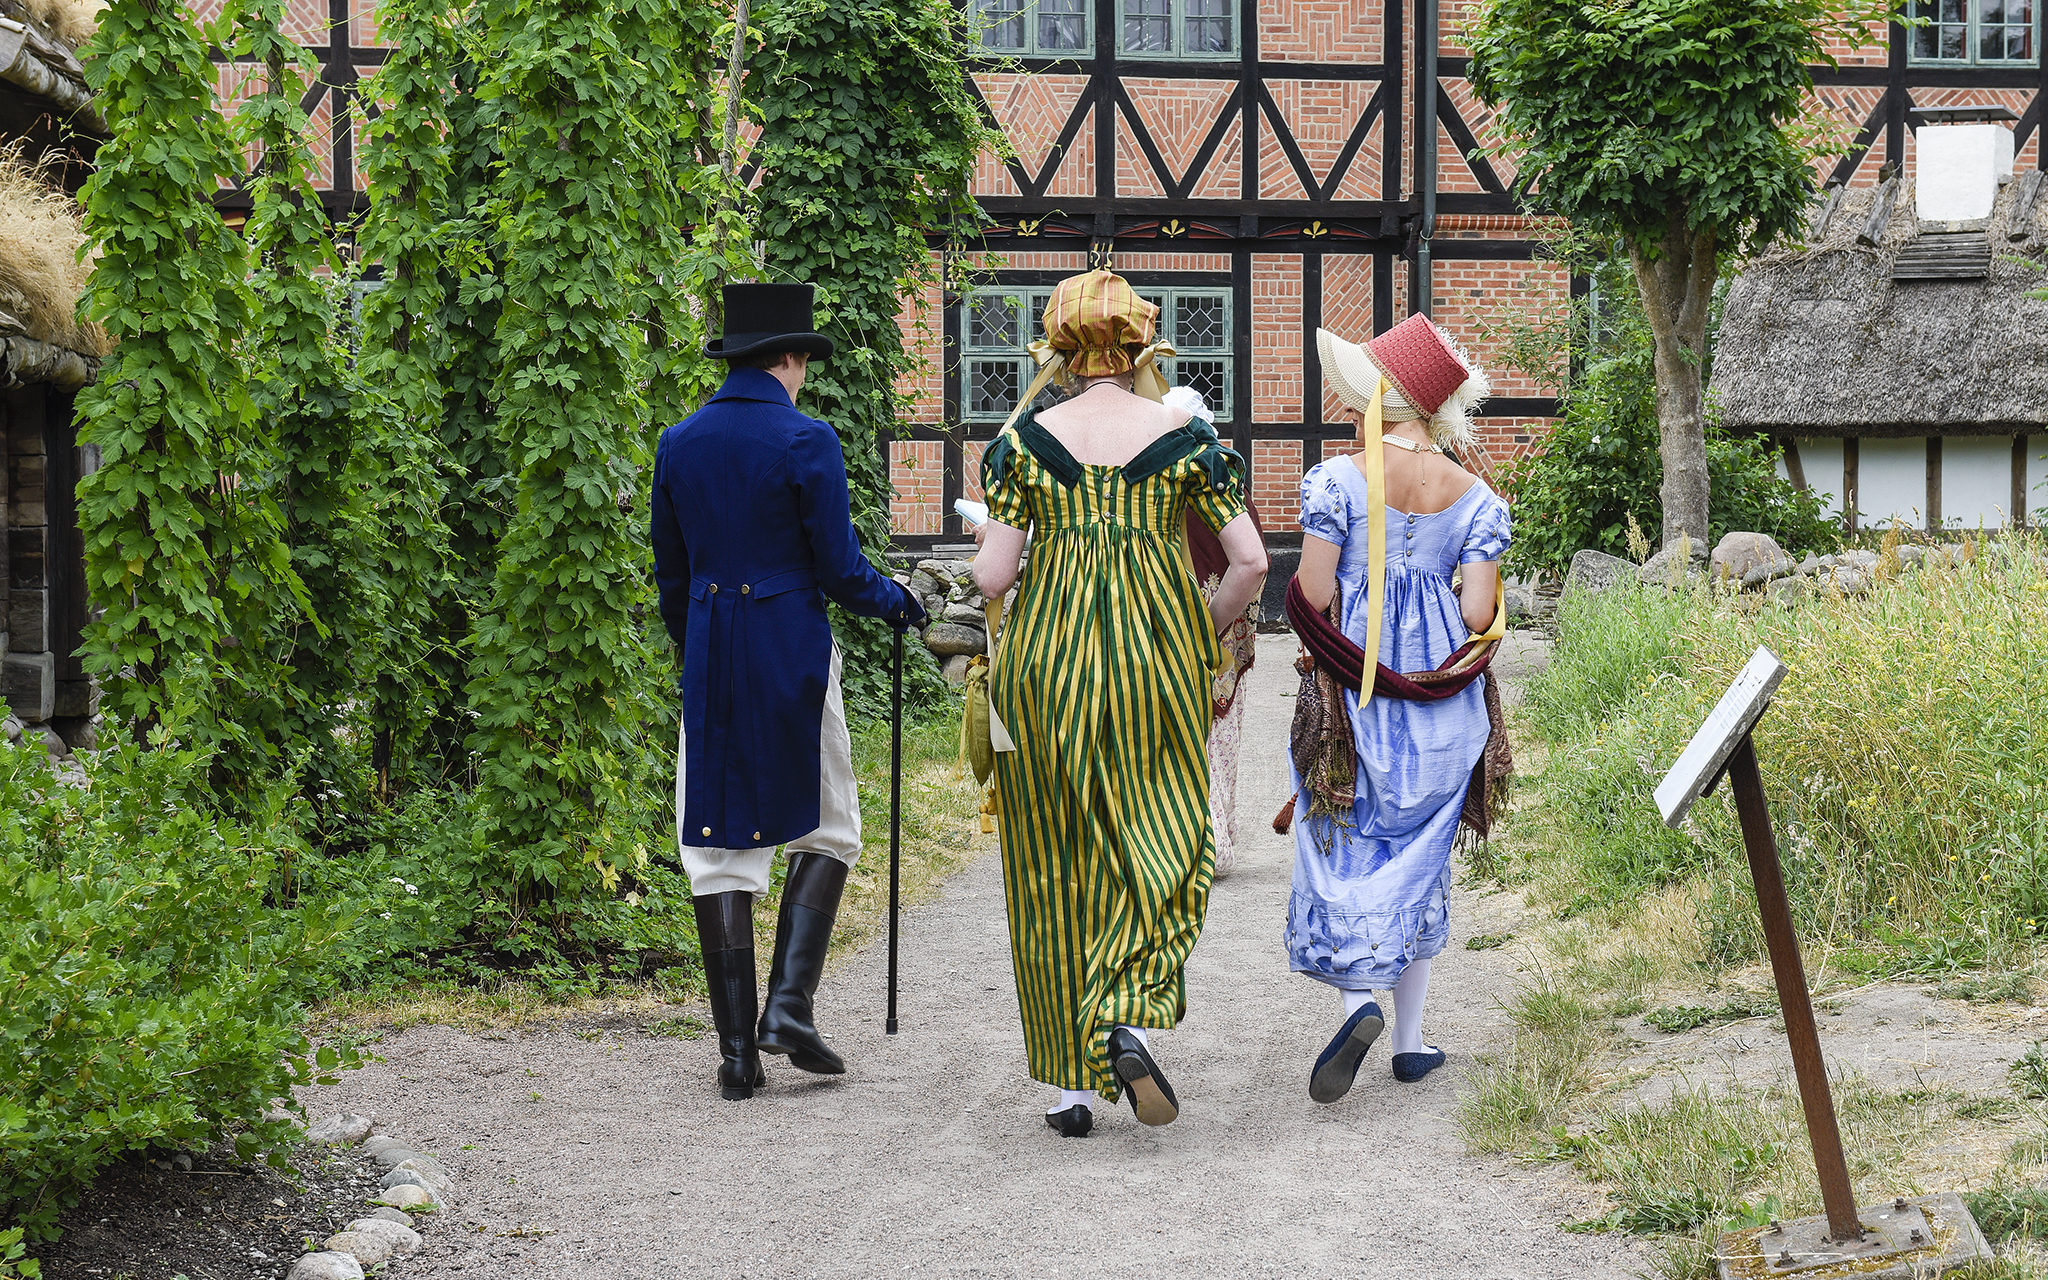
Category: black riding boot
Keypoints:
(803, 932)
(725, 930)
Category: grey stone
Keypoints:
(404, 1178)
(1790, 591)
(421, 1172)
(1595, 571)
(1858, 559)
(923, 584)
(393, 1156)
(1520, 602)
(388, 1214)
(52, 741)
(1911, 555)
(1663, 569)
(182, 1161)
(28, 684)
(955, 669)
(326, 1266)
(1750, 558)
(948, 638)
(382, 1142)
(80, 733)
(1809, 564)
(363, 1247)
(407, 1196)
(342, 1130)
(1850, 580)
(12, 728)
(937, 569)
(402, 1238)
(967, 615)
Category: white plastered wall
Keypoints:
(1976, 481)
(1892, 479)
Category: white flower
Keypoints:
(412, 888)
(398, 879)
(384, 915)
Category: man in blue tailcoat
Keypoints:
(751, 533)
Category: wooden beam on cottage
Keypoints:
(25, 361)
(2026, 198)
(2017, 515)
(37, 65)
(1851, 498)
(1880, 217)
(1933, 484)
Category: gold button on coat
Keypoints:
(746, 589)
(714, 588)
(707, 831)
(757, 835)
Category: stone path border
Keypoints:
(414, 1182)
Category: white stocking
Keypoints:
(1408, 997)
(1354, 1000)
(1072, 1098)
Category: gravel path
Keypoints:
(606, 1154)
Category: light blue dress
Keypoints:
(1369, 896)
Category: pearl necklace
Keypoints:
(1411, 446)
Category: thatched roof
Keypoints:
(41, 277)
(1822, 340)
(39, 67)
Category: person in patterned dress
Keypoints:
(1102, 678)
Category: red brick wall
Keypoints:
(1478, 299)
(1322, 31)
(1276, 484)
(1276, 337)
(917, 470)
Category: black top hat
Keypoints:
(767, 317)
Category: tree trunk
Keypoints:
(1677, 283)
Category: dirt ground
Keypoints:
(595, 1152)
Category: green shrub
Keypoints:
(148, 995)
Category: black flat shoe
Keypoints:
(1151, 1097)
(1337, 1068)
(1410, 1067)
(1074, 1122)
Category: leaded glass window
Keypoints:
(1977, 32)
(1036, 28)
(1179, 29)
(997, 325)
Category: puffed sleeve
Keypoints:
(1325, 509)
(1003, 483)
(1215, 485)
(1487, 538)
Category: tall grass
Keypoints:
(1906, 755)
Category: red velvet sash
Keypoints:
(1335, 653)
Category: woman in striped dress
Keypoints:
(1103, 679)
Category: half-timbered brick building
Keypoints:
(1259, 168)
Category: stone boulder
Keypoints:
(1594, 571)
(1751, 559)
(945, 639)
(1664, 570)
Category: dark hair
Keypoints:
(761, 359)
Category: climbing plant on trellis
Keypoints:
(869, 138)
(179, 554)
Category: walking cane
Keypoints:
(895, 820)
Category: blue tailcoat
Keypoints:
(751, 532)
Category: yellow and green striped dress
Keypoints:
(1103, 679)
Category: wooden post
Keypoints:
(1762, 846)
(1852, 497)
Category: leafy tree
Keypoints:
(869, 138)
(176, 546)
(559, 676)
(1598, 468)
(1674, 126)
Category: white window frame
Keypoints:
(1031, 300)
(1028, 13)
(1176, 22)
(1972, 41)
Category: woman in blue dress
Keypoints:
(1368, 910)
